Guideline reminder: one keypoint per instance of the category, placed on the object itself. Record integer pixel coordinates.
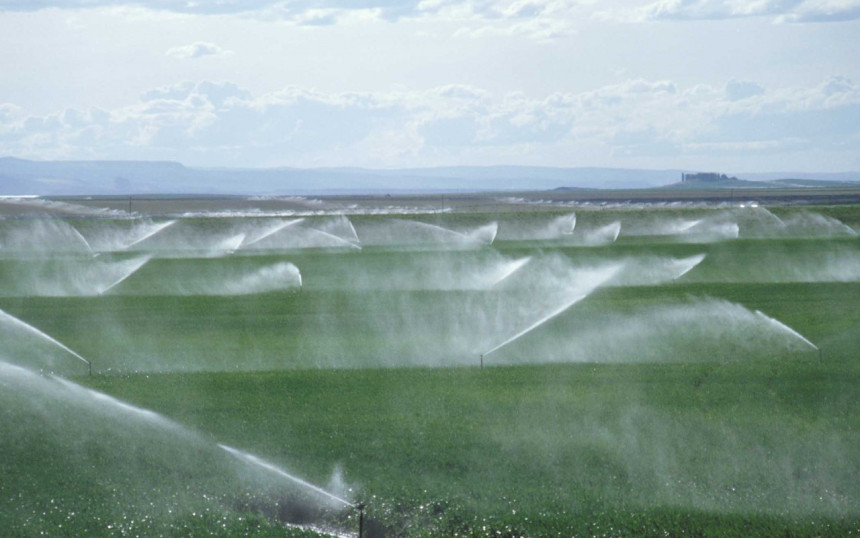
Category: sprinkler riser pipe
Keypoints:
(360, 507)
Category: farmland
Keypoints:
(530, 371)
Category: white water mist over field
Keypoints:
(558, 228)
(812, 224)
(689, 458)
(564, 230)
(761, 222)
(654, 270)
(90, 277)
(41, 237)
(279, 276)
(626, 335)
(553, 327)
(407, 233)
(470, 270)
(101, 438)
(67, 277)
(603, 235)
(792, 262)
(210, 277)
(121, 235)
(712, 225)
(701, 228)
(670, 226)
(339, 226)
(260, 231)
(37, 349)
(441, 296)
(435, 328)
(215, 237)
(697, 330)
(199, 237)
(297, 234)
(185, 239)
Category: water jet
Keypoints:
(83, 240)
(574, 295)
(250, 458)
(9, 318)
(509, 269)
(271, 231)
(156, 228)
(133, 268)
(339, 240)
(785, 328)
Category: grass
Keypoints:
(544, 449)
(645, 410)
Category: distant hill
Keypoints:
(815, 183)
(20, 177)
(25, 177)
(732, 183)
(800, 177)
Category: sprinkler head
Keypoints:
(360, 507)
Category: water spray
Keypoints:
(536, 324)
(692, 262)
(352, 229)
(156, 229)
(339, 239)
(512, 268)
(436, 228)
(571, 300)
(250, 458)
(83, 240)
(134, 267)
(29, 328)
(275, 229)
(785, 328)
(485, 234)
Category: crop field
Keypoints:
(684, 369)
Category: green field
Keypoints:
(647, 371)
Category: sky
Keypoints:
(708, 85)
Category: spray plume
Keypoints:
(569, 302)
(784, 327)
(250, 458)
(9, 318)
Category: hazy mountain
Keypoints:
(19, 177)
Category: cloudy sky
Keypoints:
(728, 85)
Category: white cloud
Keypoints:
(389, 8)
(197, 49)
(824, 11)
(538, 19)
(627, 124)
(781, 10)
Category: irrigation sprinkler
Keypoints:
(360, 507)
(250, 458)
